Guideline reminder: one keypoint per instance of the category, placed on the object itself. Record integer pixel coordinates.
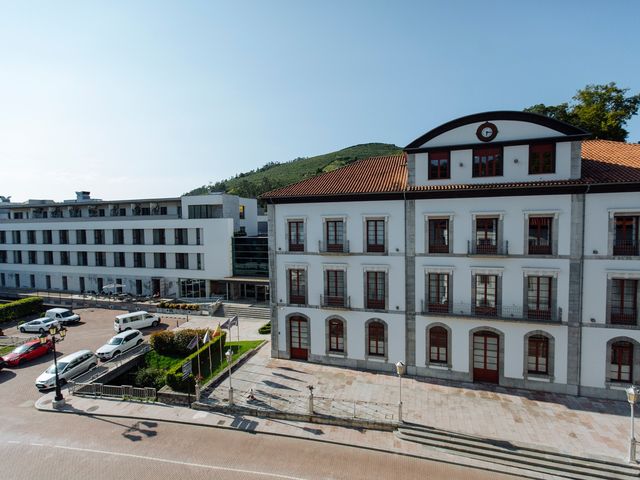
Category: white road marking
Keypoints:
(177, 462)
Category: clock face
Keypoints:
(487, 132)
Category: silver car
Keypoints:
(41, 325)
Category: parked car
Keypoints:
(40, 325)
(69, 367)
(64, 316)
(3, 364)
(27, 351)
(129, 321)
(120, 343)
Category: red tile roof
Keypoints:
(603, 162)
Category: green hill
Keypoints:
(275, 174)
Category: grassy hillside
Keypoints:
(276, 175)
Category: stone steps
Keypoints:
(517, 456)
(247, 311)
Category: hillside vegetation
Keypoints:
(275, 174)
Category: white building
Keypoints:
(500, 247)
(172, 247)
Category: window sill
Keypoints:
(539, 378)
(337, 354)
(372, 358)
(438, 366)
(616, 385)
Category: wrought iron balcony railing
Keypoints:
(324, 247)
(488, 248)
(503, 312)
(330, 301)
(626, 248)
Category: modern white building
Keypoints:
(171, 247)
(500, 247)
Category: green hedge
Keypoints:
(171, 342)
(179, 306)
(174, 375)
(20, 308)
(265, 329)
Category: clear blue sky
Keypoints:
(153, 98)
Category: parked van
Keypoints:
(135, 320)
(68, 367)
(64, 316)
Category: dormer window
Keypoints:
(439, 165)
(542, 158)
(487, 162)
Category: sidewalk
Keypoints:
(573, 425)
(375, 440)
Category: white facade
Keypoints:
(525, 293)
(171, 247)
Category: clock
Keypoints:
(487, 132)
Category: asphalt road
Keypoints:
(36, 444)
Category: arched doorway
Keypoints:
(298, 338)
(486, 357)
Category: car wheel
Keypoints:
(41, 331)
(139, 342)
(115, 354)
(128, 328)
(22, 330)
(155, 323)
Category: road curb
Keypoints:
(460, 461)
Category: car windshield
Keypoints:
(21, 348)
(61, 367)
(115, 341)
(66, 314)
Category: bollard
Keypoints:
(197, 392)
(231, 397)
(311, 403)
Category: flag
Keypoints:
(217, 331)
(206, 337)
(193, 343)
(234, 321)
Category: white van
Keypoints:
(135, 320)
(68, 367)
(64, 316)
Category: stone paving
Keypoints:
(563, 423)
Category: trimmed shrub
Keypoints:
(175, 342)
(265, 329)
(163, 342)
(179, 306)
(174, 375)
(20, 308)
(150, 377)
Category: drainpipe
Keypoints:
(584, 216)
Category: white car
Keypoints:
(64, 316)
(120, 343)
(69, 367)
(40, 325)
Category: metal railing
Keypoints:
(113, 363)
(124, 392)
(626, 248)
(502, 312)
(329, 301)
(489, 248)
(324, 247)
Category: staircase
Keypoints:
(517, 456)
(243, 311)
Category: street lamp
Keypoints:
(229, 355)
(400, 369)
(632, 398)
(58, 400)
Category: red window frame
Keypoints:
(336, 335)
(487, 294)
(540, 235)
(542, 290)
(624, 301)
(621, 356)
(484, 242)
(376, 346)
(376, 294)
(296, 236)
(437, 343)
(538, 348)
(626, 235)
(334, 235)
(538, 164)
(438, 235)
(439, 163)
(376, 236)
(487, 162)
(334, 288)
(436, 295)
(297, 286)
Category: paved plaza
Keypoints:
(563, 423)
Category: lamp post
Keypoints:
(400, 369)
(58, 400)
(229, 355)
(632, 397)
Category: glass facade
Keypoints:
(250, 257)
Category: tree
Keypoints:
(602, 110)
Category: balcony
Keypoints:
(329, 248)
(438, 247)
(539, 249)
(501, 312)
(625, 248)
(623, 315)
(329, 301)
(488, 248)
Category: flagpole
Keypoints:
(210, 359)
(198, 347)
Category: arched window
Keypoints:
(620, 367)
(336, 335)
(538, 355)
(376, 339)
(438, 345)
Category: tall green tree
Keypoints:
(602, 110)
